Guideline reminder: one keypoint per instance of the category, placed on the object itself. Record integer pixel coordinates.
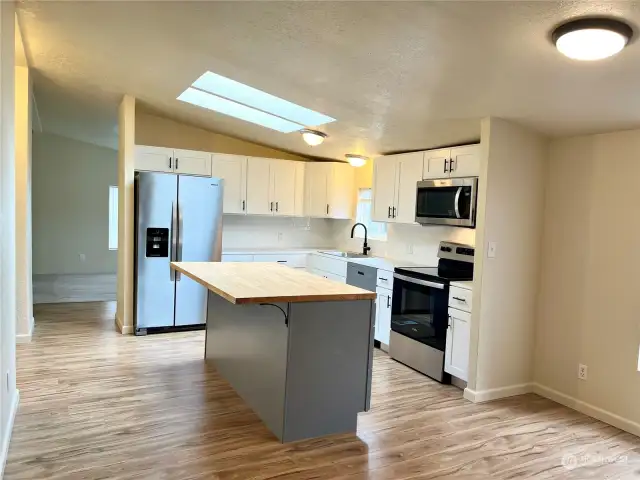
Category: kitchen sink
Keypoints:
(337, 253)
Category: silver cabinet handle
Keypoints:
(460, 299)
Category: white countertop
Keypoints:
(466, 285)
(267, 251)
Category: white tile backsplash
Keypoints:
(413, 243)
(274, 232)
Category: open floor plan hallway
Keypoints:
(95, 404)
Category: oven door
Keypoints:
(448, 201)
(419, 310)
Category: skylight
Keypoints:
(229, 97)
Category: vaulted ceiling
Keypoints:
(396, 75)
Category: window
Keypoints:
(113, 218)
(377, 230)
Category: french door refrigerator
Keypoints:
(177, 218)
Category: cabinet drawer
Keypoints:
(236, 257)
(330, 265)
(460, 298)
(385, 279)
(295, 260)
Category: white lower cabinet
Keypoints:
(383, 315)
(456, 359)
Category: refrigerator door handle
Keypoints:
(173, 240)
(179, 251)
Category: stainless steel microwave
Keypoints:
(447, 201)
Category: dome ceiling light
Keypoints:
(591, 38)
(356, 160)
(313, 137)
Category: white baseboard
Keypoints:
(588, 409)
(123, 329)
(479, 396)
(7, 433)
(26, 337)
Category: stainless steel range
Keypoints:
(419, 316)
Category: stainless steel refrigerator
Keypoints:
(177, 218)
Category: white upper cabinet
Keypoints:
(395, 179)
(259, 187)
(190, 162)
(384, 188)
(329, 190)
(154, 159)
(456, 355)
(466, 161)
(167, 160)
(452, 162)
(233, 170)
(274, 187)
(436, 163)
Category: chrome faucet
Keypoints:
(365, 248)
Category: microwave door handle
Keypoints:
(456, 202)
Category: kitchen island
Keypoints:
(296, 347)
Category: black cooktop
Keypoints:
(445, 271)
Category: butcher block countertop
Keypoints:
(258, 282)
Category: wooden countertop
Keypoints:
(257, 282)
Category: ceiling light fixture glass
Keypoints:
(313, 137)
(356, 160)
(591, 38)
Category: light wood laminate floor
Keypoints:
(98, 405)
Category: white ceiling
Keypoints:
(396, 75)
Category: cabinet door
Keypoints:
(434, 163)
(466, 161)
(236, 257)
(190, 162)
(259, 186)
(341, 190)
(233, 170)
(384, 187)
(300, 168)
(409, 173)
(154, 159)
(283, 187)
(383, 315)
(456, 360)
(316, 181)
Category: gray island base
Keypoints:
(304, 368)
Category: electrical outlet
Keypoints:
(7, 381)
(582, 372)
(82, 256)
(279, 236)
(409, 248)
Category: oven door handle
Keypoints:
(456, 202)
(426, 283)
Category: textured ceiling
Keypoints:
(396, 75)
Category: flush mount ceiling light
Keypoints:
(356, 160)
(223, 95)
(591, 38)
(313, 137)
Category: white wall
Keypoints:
(589, 306)
(510, 206)
(272, 232)
(71, 182)
(8, 392)
(24, 287)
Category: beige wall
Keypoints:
(8, 392)
(510, 207)
(162, 132)
(71, 182)
(24, 288)
(589, 306)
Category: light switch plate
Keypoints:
(491, 250)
